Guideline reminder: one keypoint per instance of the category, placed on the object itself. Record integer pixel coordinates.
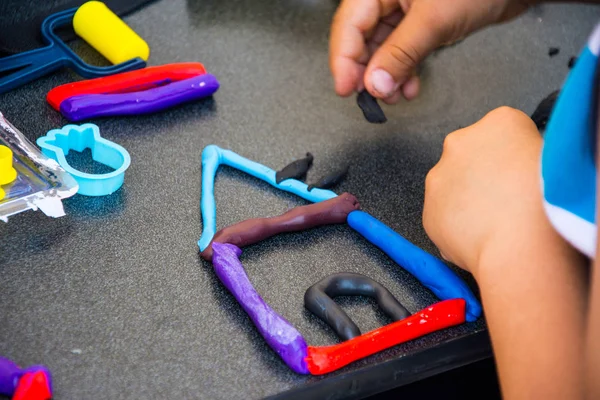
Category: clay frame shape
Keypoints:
(429, 270)
(290, 345)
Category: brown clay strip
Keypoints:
(245, 233)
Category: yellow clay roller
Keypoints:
(108, 34)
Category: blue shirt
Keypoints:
(568, 162)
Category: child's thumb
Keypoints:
(418, 34)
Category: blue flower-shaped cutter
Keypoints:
(57, 143)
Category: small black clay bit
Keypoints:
(329, 181)
(572, 62)
(552, 51)
(295, 170)
(542, 113)
(370, 108)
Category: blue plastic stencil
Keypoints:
(57, 143)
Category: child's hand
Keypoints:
(378, 44)
(484, 211)
(485, 192)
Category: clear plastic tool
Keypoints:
(41, 183)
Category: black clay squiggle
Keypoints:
(329, 181)
(295, 170)
(542, 112)
(370, 108)
(318, 300)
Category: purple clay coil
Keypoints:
(88, 106)
(11, 373)
(277, 331)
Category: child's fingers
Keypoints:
(348, 75)
(411, 87)
(394, 98)
(409, 91)
(420, 32)
(347, 48)
(385, 27)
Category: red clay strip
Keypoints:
(132, 81)
(324, 359)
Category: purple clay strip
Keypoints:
(277, 331)
(86, 106)
(10, 374)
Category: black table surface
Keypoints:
(114, 297)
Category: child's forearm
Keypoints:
(534, 292)
(592, 344)
(592, 341)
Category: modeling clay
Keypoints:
(295, 170)
(329, 181)
(318, 300)
(88, 106)
(442, 315)
(286, 341)
(370, 108)
(212, 157)
(333, 211)
(437, 276)
(543, 111)
(278, 332)
(132, 81)
(33, 383)
(430, 270)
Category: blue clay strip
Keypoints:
(281, 336)
(429, 270)
(210, 163)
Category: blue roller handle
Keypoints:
(30, 66)
(429, 270)
(34, 64)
